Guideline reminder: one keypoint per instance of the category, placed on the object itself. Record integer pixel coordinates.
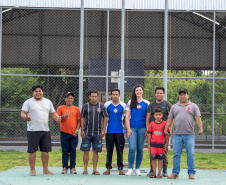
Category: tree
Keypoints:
(16, 89)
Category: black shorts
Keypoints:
(39, 139)
(96, 141)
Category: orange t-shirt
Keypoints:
(69, 125)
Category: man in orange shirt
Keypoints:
(69, 127)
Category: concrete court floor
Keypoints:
(20, 176)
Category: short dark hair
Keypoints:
(160, 88)
(115, 90)
(34, 87)
(158, 109)
(93, 91)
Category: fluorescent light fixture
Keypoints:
(207, 18)
(6, 10)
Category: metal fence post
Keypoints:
(213, 98)
(107, 54)
(122, 71)
(81, 55)
(0, 57)
(81, 62)
(165, 48)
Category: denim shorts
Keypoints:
(96, 142)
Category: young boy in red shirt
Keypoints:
(156, 141)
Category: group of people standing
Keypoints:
(143, 119)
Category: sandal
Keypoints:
(150, 174)
(106, 173)
(159, 176)
(153, 176)
(73, 171)
(85, 172)
(96, 173)
(32, 173)
(48, 173)
(121, 173)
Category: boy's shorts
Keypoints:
(96, 141)
(157, 153)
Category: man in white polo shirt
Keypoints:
(184, 113)
(36, 112)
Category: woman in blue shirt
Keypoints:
(136, 111)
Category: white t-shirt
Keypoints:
(39, 113)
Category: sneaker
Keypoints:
(73, 171)
(137, 172)
(164, 173)
(129, 172)
(64, 171)
(150, 173)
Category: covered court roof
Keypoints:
(192, 5)
(47, 33)
(51, 38)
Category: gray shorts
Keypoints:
(39, 140)
(96, 142)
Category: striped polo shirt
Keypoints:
(93, 115)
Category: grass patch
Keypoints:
(11, 159)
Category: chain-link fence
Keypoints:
(43, 46)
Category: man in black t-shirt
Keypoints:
(92, 114)
(166, 106)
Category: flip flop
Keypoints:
(85, 172)
(106, 173)
(96, 173)
(32, 173)
(48, 173)
(159, 176)
(122, 173)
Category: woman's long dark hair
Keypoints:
(133, 103)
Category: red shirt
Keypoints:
(158, 136)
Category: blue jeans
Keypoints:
(68, 145)
(136, 144)
(189, 141)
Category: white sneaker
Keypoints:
(129, 172)
(137, 172)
